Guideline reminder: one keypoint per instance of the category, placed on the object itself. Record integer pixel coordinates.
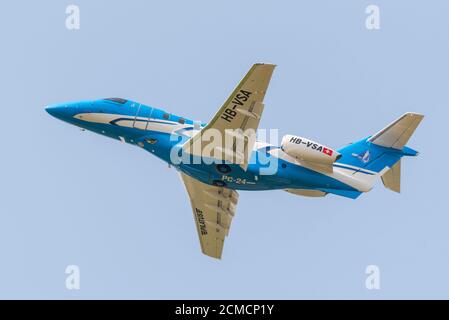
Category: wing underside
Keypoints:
(236, 122)
(213, 210)
(229, 137)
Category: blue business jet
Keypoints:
(218, 158)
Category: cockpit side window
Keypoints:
(117, 100)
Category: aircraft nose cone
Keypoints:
(56, 111)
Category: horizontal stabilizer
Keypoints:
(392, 178)
(397, 134)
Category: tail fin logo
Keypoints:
(365, 157)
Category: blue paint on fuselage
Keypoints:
(286, 175)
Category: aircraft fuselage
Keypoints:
(159, 132)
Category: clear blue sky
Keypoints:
(72, 197)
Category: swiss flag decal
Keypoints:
(327, 151)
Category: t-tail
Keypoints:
(380, 155)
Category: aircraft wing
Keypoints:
(236, 121)
(213, 209)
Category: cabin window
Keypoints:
(182, 120)
(166, 116)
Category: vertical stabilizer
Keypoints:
(380, 155)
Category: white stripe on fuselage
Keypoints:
(160, 125)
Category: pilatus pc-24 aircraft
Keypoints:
(303, 167)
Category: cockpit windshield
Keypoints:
(117, 100)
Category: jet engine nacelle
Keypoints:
(308, 150)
